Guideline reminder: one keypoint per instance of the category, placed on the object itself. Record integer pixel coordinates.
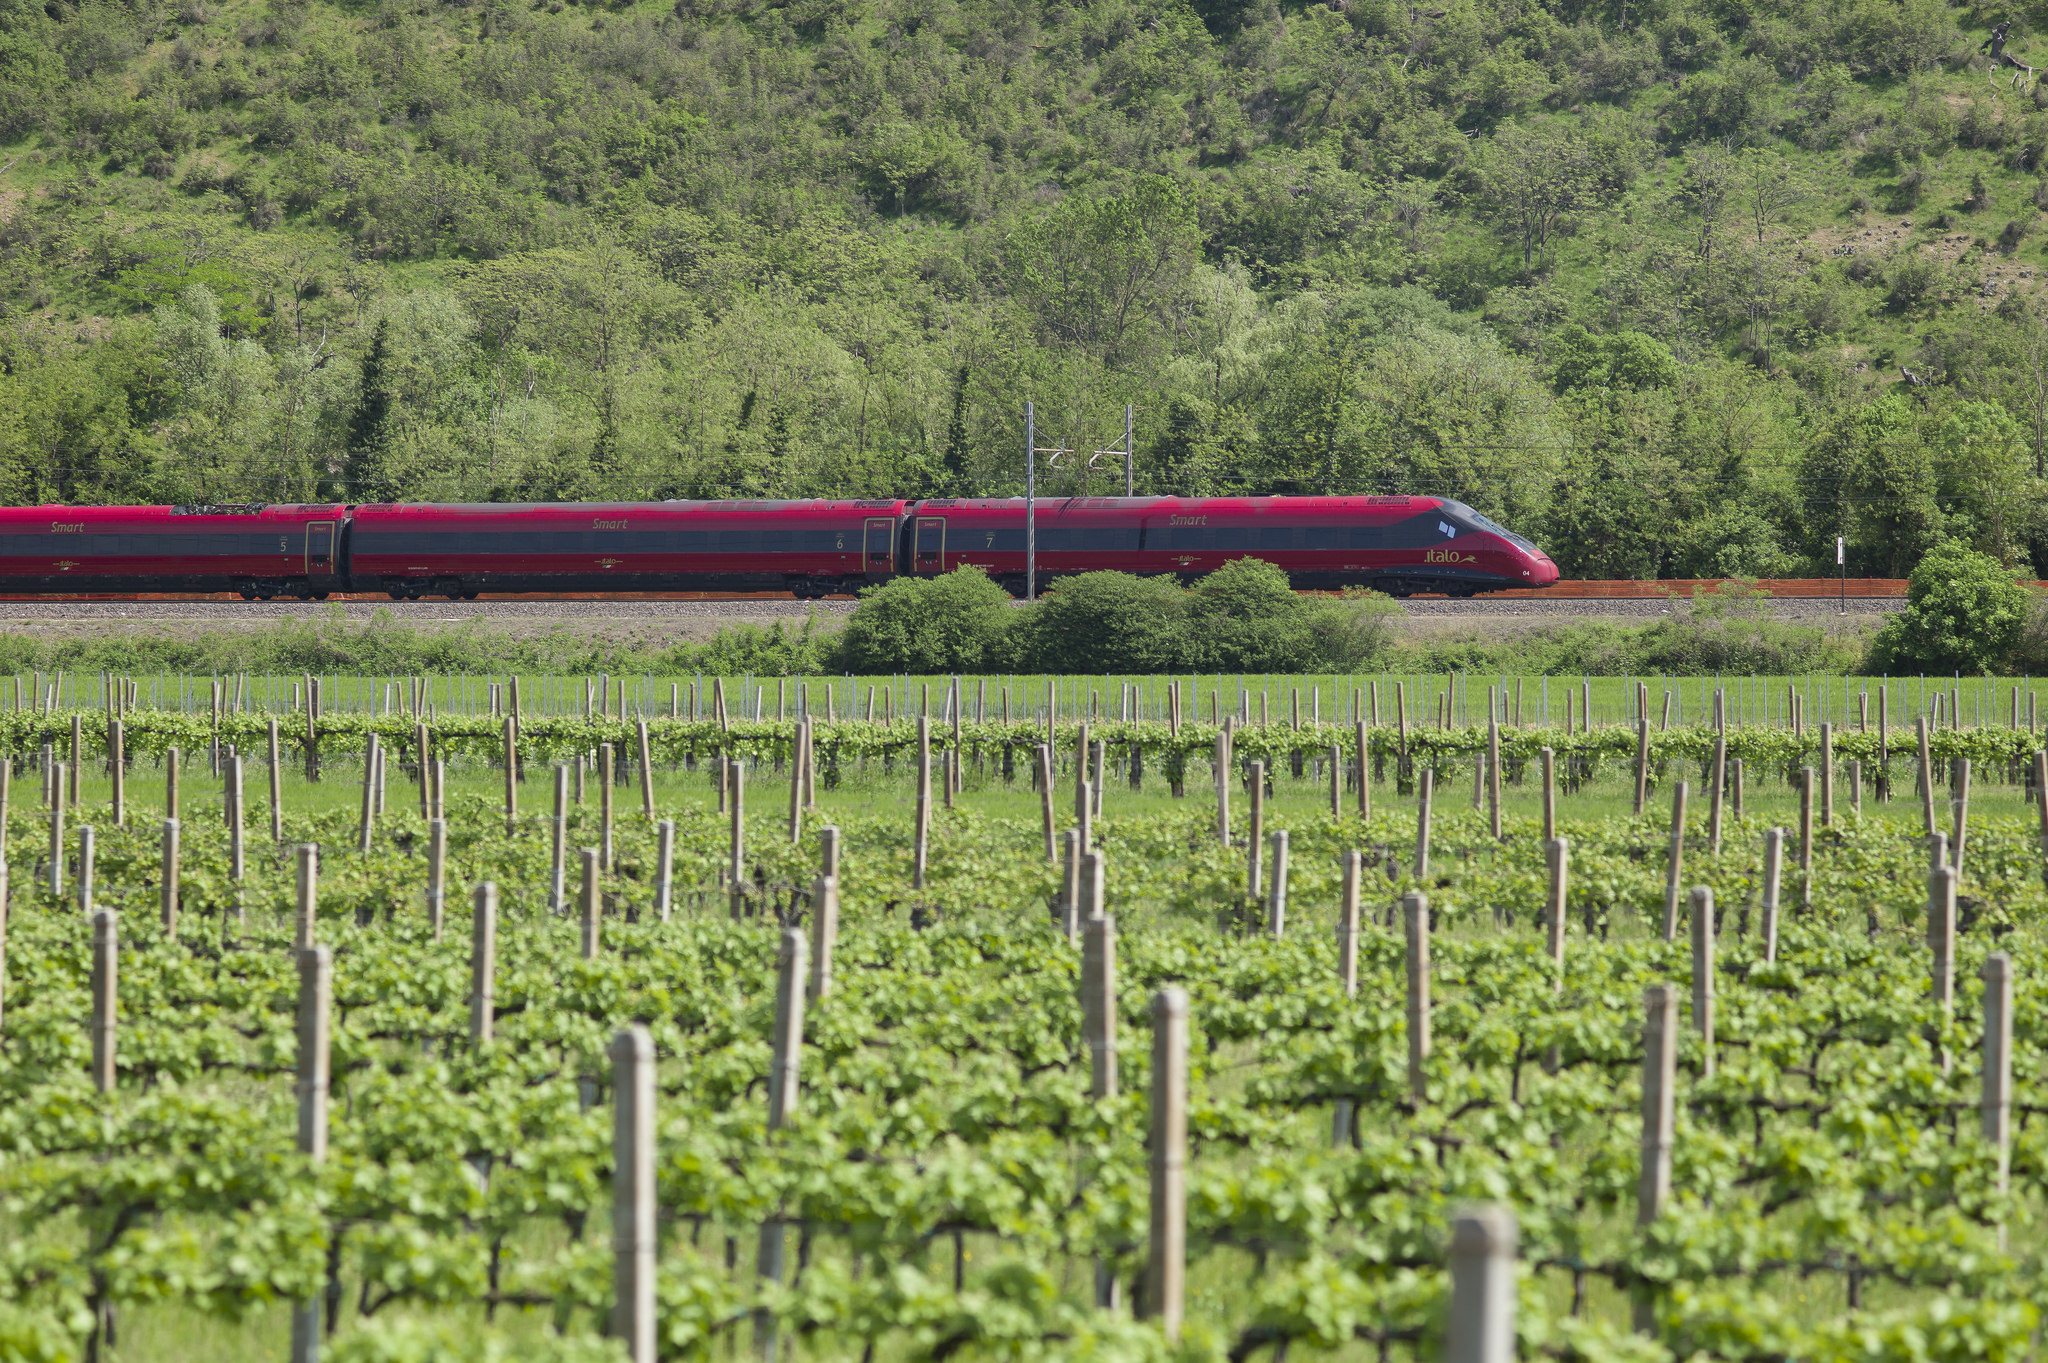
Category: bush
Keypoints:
(1107, 622)
(1964, 613)
(1241, 618)
(953, 623)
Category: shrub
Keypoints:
(953, 623)
(1107, 622)
(1964, 613)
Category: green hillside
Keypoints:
(1638, 278)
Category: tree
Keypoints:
(365, 475)
(1964, 613)
(1532, 179)
(1985, 481)
(1093, 268)
(1769, 188)
(1709, 189)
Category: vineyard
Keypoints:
(1121, 1019)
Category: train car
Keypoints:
(809, 548)
(1399, 545)
(258, 551)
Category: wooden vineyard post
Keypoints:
(664, 869)
(1856, 789)
(1926, 779)
(796, 787)
(1165, 1296)
(1221, 765)
(1806, 837)
(426, 769)
(511, 776)
(1557, 854)
(316, 1001)
(1827, 774)
(1485, 1241)
(106, 966)
(736, 866)
(1548, 757)
(1424, 790)
(1255, 835)
(606, 760)
(238, 858)
(308, 894)
(167, 889)
(1642, 764)
(1941, 941)
(1415, 913)
(786, 1051)
(824, 934)
(1347, 971)
(635, 1232)
(77, 758)
(1703, 975)
(1336, 763)
(1883, 775)
(646, 773)
(828, 851)
(1492, 778)
(1070, 886)
(1660, 1085)
(88, 844)
(368, 823)
(2040, 806)
(1363, 741)
(1774, 870)
(1098, 1003)
(1092, 885)
(483, 963)
(588, 900)
(1044, 757)
(117, 771)
(57, 836)
(1718, 774)
(921, 834)
(1674, 867)
(1276, 896)
(558, 842)
(1962, 816)
(312, 729)
(437, 875)
(1996, 1102)
(1735, 788)
(1347, 922)
(276, 788)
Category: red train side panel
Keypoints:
(257, 550)
(809, 547)
(1398, 544)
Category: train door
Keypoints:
(929, 555)
(320, 549)
(878, 546)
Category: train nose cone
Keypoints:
(1542, 573)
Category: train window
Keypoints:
(1279, 537)
(1416, 532)
(777, 541)
(1323, 537)
(1364, 537)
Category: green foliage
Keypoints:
(1107, 622)
(955, 622)
(1964, 613)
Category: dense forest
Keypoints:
(1678, 287)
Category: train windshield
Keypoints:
(1473, 520)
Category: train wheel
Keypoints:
(247, 593)
(396, 594)
(321, 596)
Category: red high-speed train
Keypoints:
(1400, 545)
